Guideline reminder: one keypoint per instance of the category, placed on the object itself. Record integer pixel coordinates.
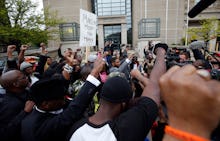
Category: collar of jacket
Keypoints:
(52, 112)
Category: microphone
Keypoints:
(197, 45)
(199, 7)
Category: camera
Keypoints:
(134, 59)
(173, 58)
(215, 74)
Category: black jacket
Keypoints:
(40, 126)
(11, 114)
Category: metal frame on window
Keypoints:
(149, 28)
(69, 31)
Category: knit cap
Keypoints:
(116, 90)
(25, 65)
(92, 58)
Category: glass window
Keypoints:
(116, 13)
(99, 1)
(114, 1)
(123, 4)
(99, 4)
(116, 4)
(115, 7)
(113, 33)
(112, 6)
(69, 32)
(106, 10)
(106, 5)
(149, 28)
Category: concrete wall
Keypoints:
(173, 32)
(69, 11)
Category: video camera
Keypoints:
(215, 74)
(173, 58)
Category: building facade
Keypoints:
(114, 21)
(132, 22)
(69, 12)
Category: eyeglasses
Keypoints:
(22, 78)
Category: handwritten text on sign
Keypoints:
(87, 28)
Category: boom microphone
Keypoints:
(199, 7)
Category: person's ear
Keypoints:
(16, 84)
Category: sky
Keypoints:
(40, 4)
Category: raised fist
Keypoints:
(24, 47)
(11, 48)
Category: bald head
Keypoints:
(42, 44)
(11, 79)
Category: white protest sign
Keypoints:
(87, 28)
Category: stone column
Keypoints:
(123, 33)
(100, 36)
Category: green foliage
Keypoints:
(21, 24)
(210, 28)
(4, 19)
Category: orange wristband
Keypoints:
(183, 135)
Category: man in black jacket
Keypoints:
(49, 121)
(12, 106)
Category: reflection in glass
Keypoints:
(112, 33)
(149, 28)
(69, 32)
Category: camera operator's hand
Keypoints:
(193, 102)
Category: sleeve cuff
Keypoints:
(127, 60)
(93, 80)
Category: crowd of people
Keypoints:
(111, 96)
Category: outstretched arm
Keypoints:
(151, 86)
(23, 48)
(11, 61)
(152, 90)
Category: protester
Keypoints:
(27, 69)
(75, 87)
(49, 121)
(110, 122)
(117, 66)
(14, 105)
(48, 63)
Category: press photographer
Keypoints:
(178, 56)
(210, 61)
